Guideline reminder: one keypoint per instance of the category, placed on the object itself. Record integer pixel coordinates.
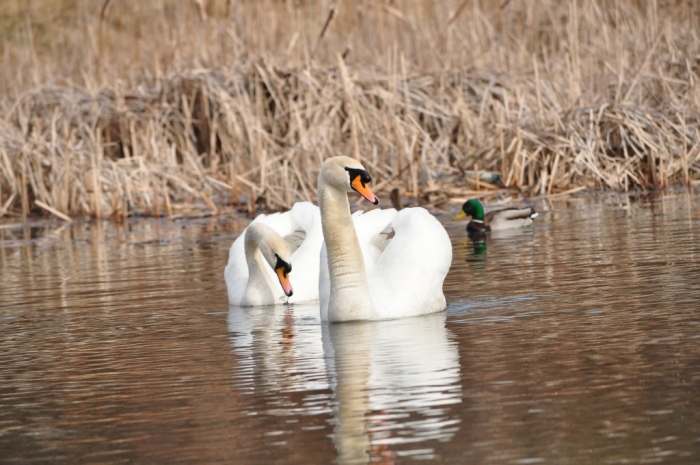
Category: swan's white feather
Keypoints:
(370, 227)
(407, 255)
(407, 277)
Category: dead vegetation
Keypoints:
(154, 108)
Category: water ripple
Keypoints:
(573, 342)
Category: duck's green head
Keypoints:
(471, 208)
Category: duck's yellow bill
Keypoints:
(459, 216)
(284, 281)
(364, 190)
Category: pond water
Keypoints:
(577, 341)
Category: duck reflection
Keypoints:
(478, 242)
(391, 384)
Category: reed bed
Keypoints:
(234, 105)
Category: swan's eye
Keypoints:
(284, 265)
(364, 176)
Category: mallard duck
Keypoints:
(296, 237)
(509, 218)
(365, 275)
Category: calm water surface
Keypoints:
(575, 342)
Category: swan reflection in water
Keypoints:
(392, 383)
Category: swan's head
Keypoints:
(275, 251)
(347, 174)
(282, 269)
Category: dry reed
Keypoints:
(150, 108)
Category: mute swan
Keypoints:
(509, 218)
(368, 276)
(300, 230)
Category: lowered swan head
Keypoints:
(347, 175)
(263, 243)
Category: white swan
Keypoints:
(300, 230)
(368, 276)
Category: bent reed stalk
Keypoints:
(552, 95)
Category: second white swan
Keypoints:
(297, 231)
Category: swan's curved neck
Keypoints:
(349, 297)
(258, 291)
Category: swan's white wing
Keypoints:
(307, 220)
(305, 259)
(372, 228)
(306, 215)
(407, 278)
(295, 240)
(283, 224)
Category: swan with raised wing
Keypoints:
(394, 267)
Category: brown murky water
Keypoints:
(575, 342)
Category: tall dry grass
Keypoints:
(152, 107)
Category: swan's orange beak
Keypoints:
(364, 190)
(283, 276)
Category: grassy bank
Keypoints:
(153, 107)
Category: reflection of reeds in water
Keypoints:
(553, 95)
